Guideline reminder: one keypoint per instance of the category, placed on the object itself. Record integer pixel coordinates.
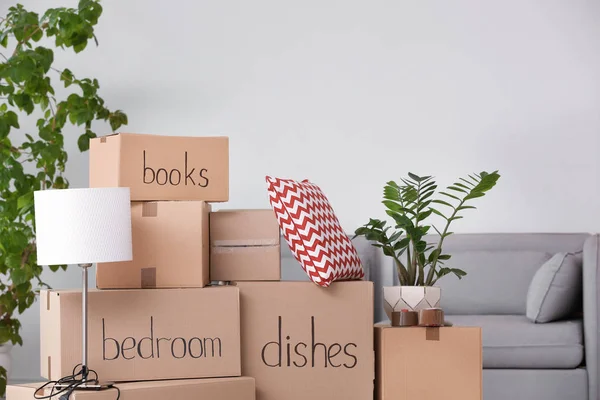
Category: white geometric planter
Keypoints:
(412, 298)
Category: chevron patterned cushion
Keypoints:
(313, 232)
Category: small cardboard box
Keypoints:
(241, 388)
(428, 363)
(301, 341)
(244, 246)
(136, 335)
(162, 167)
(170, 248)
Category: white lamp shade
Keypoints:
(83, 226)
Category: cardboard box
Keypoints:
(244, 246)
(428, 363)
(170, 248)
(137, 335)
(241, 388)
(162, 167)
(301, 341)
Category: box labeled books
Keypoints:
(244, 246)
(170, 248)
(136, 335)
(162, 167)
(301, 341)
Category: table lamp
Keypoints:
(83, 227)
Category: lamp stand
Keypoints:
(85, 383)
(84, 319)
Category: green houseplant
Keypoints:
(420, 262)
(36, 159)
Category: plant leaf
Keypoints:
(395, 236)
(443, 203)
(467, 182)
(451, 196)
(438, 213)
(402, 244)
(434, 255)
(415, 177)
(423, 216)
(426, 196)
(402, 220)
(457, 189)
(461, 185)
(388, 251)
(392, 205)
(474, 195)
(458, 272)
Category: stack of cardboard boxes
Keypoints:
(158, 318)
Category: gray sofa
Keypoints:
(522, 360)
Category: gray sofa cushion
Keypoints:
(512, 341)
(555, 289)
(535, 384)
(496, 283)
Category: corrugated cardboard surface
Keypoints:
(241, 388)
(143, 334)
(256, 263)
(244, 246)
(162, 167)
(244, 227)
(170, 248)
(301, 341)
(428, 363)
(24, 391)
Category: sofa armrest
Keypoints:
(591, 312)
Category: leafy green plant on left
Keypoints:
(36, 159)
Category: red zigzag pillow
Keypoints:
(313, 232)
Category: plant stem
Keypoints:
(430, 276)
(402, 273)
(413, 268)
(26, 254)
(409, 264)
(421, 274)
(25, 40)
(54, 116)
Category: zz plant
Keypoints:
(35, 159)
(418, 261)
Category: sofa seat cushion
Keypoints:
(513, 341)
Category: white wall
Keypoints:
(353, 93)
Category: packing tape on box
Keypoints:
(148, 277)
(432, 333)
(150, 209)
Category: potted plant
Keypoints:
(419, 261)
(35, 160)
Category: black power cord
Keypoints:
(71, 383)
